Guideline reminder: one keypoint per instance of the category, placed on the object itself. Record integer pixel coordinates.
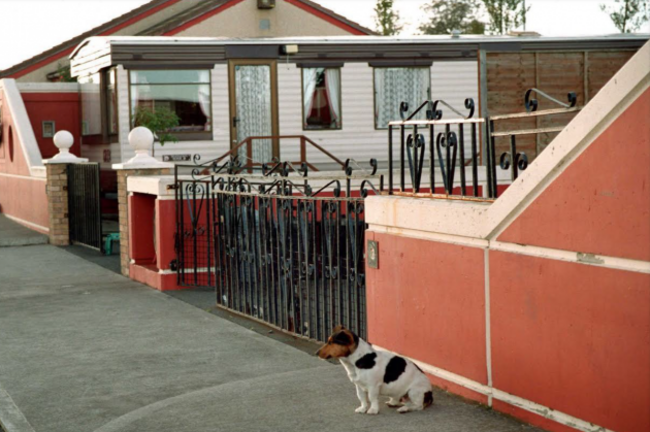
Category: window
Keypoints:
(394, 85)
(111, 101)
(321, 98)
(184, 92)
(91, 107)
(10, 143)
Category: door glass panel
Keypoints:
(253, 101)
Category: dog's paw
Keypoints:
(361, 410)
(404, 410)
(373, 411)
(393, 404)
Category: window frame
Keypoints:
(302, 98)
(2, 133)
(374, 89)
(181, 136)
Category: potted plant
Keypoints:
(159, 121)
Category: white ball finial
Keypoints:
(63, 140)
(141, 139)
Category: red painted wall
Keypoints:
(21, 195)
(566, 335)
(64, 109)
(573, 337)
(601, 204)
(426, 301)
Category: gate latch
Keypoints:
(173, 265)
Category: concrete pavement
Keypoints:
(83, 349)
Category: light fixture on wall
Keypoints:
(265, 4)
(289, 49)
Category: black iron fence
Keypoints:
(279, 246)
(461, 151)
(84, 205)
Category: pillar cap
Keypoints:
(142, 139)
(63, 140)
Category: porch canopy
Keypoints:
(135, 52)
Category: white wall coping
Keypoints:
(22, 125)
(478, 220)
(48, 87)
(158, 185)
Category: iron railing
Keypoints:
(453, 148)
(512, 159)
(449, 145)
(282, 246)
(244, 151)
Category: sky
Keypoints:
(32, 26)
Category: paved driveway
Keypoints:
(83, 349)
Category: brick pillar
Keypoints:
(57, 203)
(123, 205)
(57, 188)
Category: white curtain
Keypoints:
(204, 103)
(333, 84)
(309, 76)
(253, 101)
(396, 85)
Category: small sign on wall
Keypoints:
(49, 128)
(176, 158)
(372, 254)
(107, 156)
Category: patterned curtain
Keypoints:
(253, 100)
(396, 85)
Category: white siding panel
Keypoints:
(453, 82)
(124, 118)
(450, 81)
(357, 140)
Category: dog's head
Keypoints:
(341, 343)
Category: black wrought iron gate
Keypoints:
(84, 210)
(275, 251)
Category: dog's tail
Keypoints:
(428, 399)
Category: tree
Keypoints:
(158, 121)
(387, 19)
(628, 15)
(449, 15)
(505, 15)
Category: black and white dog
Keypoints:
(377, 373)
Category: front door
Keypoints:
(253, 108)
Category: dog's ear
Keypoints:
(338, 328)
(342, 338)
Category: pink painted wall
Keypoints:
(566, 335)
(21, 195)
